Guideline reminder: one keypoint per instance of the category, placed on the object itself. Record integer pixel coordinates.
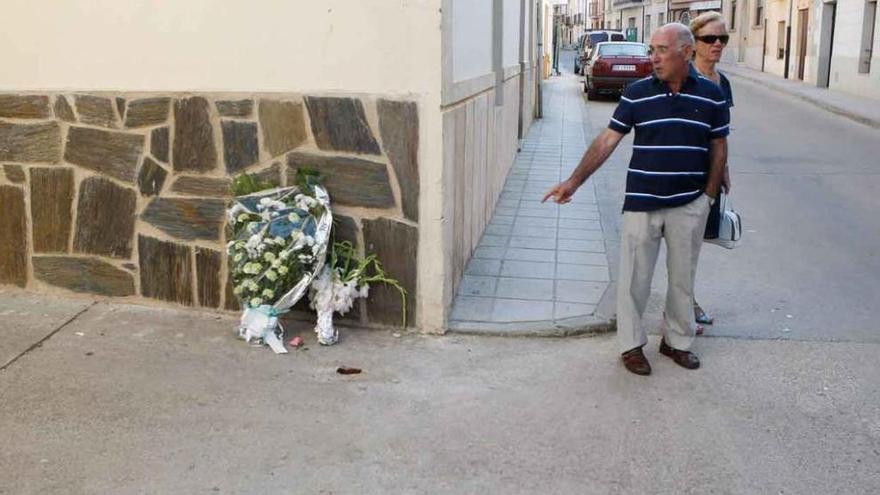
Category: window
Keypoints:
(631, 22)
(620, 50)
(732, 16)
(780, 40)
(661, 19)
(648, 24)
(617, 22)
(759, 12)
(868, 22)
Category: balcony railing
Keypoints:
(620, 3)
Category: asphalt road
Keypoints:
(807, 184)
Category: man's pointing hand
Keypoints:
(561, 193)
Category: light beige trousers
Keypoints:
(682, 227)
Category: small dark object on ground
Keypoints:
(345, 370)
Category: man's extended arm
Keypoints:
(717, 163)
(599, 151)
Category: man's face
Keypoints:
(668, 60)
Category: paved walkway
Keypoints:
(539, 268)
(859, 108)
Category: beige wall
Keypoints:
(480, 143)
(778, 12)
(845, 75)
(259, 45)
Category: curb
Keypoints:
(567, 327)
(861, 119)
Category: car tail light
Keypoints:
(600, 66)
(645, 68)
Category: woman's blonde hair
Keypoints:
(700, 21)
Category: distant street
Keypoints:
(807, 184)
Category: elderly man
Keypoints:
(679, 151)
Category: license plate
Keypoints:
(624, 68)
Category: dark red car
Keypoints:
(613, 65)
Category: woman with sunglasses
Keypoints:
(711, 37)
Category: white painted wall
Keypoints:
(510, 33)
(471, 39)
(376, 46)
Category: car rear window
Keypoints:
(617, 37)
(598, 38)
(623, 50)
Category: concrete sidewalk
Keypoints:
(130, 399)
(539, 269)
(860, 109)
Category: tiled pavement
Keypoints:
(538, 265)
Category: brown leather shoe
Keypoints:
(685, 359)
(636, 362)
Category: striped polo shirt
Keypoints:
(670, 161)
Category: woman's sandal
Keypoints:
(701, 315)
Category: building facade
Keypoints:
(121, 127)
(830, 44)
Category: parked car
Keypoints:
(589, 41)
(579, 49)
(613, 65)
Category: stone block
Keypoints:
(208, 265)
(86, 275)
(13, 241)
(112, 153)
(165, 270)
(95, 110)
(345, 229)
(283, 125)
(340, 124)
(350, 181)
(193, 145)
(151, 178)
(30, 142)
(396, 245)
(272, 174)
(147, 112)
(184, 218)
(241, 148)
(201, 186)
(14, 173)
(51, 208)
(235, 108)
(159, 144)
(399, 128)
(63, 110)
(105, 218)
(24, 107)
(231, 301)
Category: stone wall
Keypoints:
(124, 194)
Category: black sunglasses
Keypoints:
(710, 39)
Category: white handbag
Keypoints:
(729, 224)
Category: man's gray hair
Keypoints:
(683, 34)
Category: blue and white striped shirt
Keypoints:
(670, 161)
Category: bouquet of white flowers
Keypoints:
(280, 238)
(344, 279)
(280, 243)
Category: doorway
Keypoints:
(803, 19)
(826, 44)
